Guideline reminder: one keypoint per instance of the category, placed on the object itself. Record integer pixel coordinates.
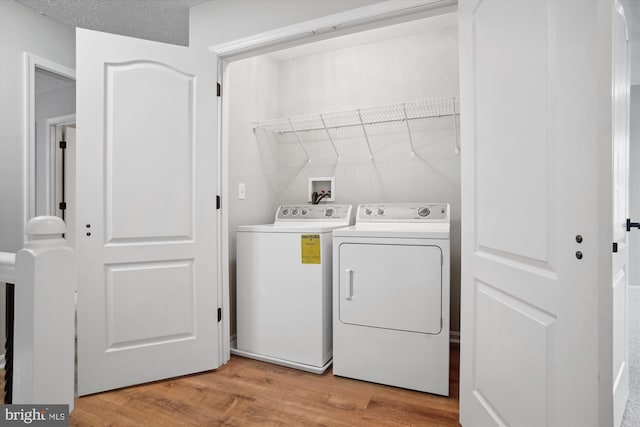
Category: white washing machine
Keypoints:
(283, 287)
(391, 296)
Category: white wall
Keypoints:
(21, 30)
(221, 21)
(634, 186)
(388, 71)
(254, 85)
(49, 104)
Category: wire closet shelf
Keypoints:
(363, 117)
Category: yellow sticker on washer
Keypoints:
(310, 248)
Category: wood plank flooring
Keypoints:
(246, 392)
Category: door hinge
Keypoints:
(63, 144)
(219, 314)
(62, 206)
(615, 247)
(632, 224)
(218, 89)
(218, 202)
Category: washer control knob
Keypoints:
(424, 211)
(380, 211)
(304, 211)
(368, 211)
(294, 211)
(284, 212)
(329, 212)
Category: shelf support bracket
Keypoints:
(295, 132)
(406, 120)
(366, 137)
(324, 125)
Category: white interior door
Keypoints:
(533, 161)
(146, 211)
(620, 258)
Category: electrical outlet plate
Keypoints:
(320, 184)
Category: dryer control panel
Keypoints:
(314, 213)
(403, 212)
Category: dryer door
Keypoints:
(391, 286)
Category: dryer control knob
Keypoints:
(294, 211)
(424, 211)
(329, 212)
(368, 211)
(304, 211)
(380, 211)
(284, 212)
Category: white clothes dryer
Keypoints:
(283, 287)
(391, 296)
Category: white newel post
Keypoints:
(44, 316)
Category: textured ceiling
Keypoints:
(160, 20)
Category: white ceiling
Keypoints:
(160, 20)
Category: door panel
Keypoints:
(530, 332)
(391, 286)
(168, 316)
(164, 139)
(146, 212)
(512, 134)
(530, 159)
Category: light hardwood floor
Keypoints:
(246, 392)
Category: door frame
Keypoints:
(54, 122)
(376, 16)
(31, 63)
(352, 21)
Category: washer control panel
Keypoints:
(313, 213)
(403, 212)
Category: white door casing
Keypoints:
(146, 211)
(54, 135)
(620, 259)
(67, 134)
(532, 252)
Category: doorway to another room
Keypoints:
(52, 142)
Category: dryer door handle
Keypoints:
(349, 283)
